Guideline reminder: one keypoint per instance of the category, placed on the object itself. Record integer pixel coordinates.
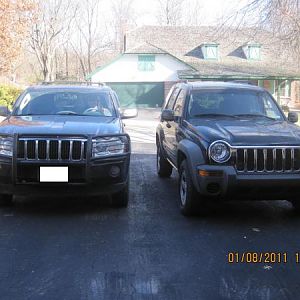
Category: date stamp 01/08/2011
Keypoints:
(262, 257)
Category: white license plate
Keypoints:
(54, 174)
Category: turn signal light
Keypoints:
(206, 173)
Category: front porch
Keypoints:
(285, 89)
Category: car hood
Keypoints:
(247, 132)
(65, 125)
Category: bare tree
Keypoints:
(123, 18)
(91, 37)
(192, 13)
(169, 12)
(282, 17)
(51, 30)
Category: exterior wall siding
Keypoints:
(125, 69)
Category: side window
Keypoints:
(270, 107)
(116, 101)
(179, 104)
(172, 99)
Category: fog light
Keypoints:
(213, 188)
(114, 171)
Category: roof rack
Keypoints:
(66, 82)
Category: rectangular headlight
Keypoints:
(6, 146)
(107, 146)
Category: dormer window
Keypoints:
(210, 51)
(252, 51)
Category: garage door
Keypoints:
(138, 94)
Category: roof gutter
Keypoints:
(237, 77)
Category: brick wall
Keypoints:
(267, 85)
(295, 92)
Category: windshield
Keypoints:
(65, 103)
(229, 102)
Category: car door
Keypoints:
(174, 126)
(166, 125)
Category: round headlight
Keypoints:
(219, 152)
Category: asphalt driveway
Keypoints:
(82, 249)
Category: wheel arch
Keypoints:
(192, 153)
(159, 133)
(181, 156)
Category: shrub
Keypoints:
(8, 95)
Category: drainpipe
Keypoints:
(124, 43)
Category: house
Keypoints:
(155, 57)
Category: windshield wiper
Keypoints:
(255, 115)
(67, 113)
(213, 115)
(25, 115)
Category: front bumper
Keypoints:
(91, 177)
(225, 183)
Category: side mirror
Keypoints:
(293, 117)
(167, 115)
(4, 111)
(128, 113)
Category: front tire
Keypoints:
(190, 201)
(187, 191)
(120, 199)
(164, 168)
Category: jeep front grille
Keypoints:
(266, 159)
(61, 149)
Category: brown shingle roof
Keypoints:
(145, 48)
(185, 42)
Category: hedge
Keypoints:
(8, 95)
